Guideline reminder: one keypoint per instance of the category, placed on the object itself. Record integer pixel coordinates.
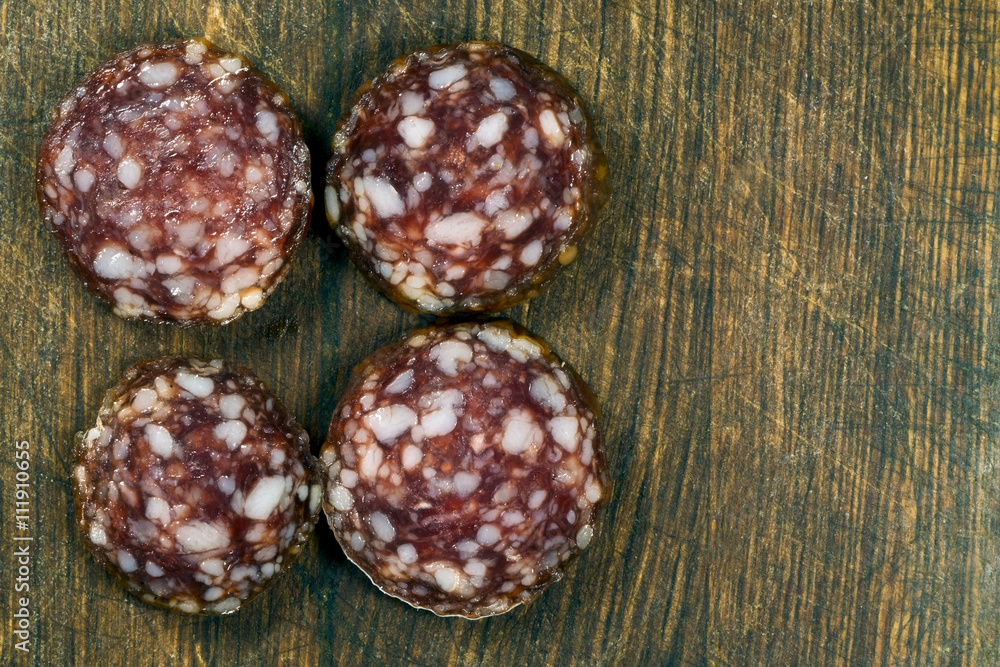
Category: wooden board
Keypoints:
(788, 311)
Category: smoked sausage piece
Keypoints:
(177, 182)
(195, 487)
(463, 178)
(464, 468)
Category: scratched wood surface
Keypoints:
(788, 311)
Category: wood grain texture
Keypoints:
(787, 311)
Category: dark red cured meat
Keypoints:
(464, 468)
(196, 486)
(177, 181)
(463, 178)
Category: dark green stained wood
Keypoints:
(787, 311)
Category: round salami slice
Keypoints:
(464, 468)
(195, 487)
(177, 181)
(463, 178)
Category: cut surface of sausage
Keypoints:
(195, 487)
(464, 468)
(177, 182)
(463, 178)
